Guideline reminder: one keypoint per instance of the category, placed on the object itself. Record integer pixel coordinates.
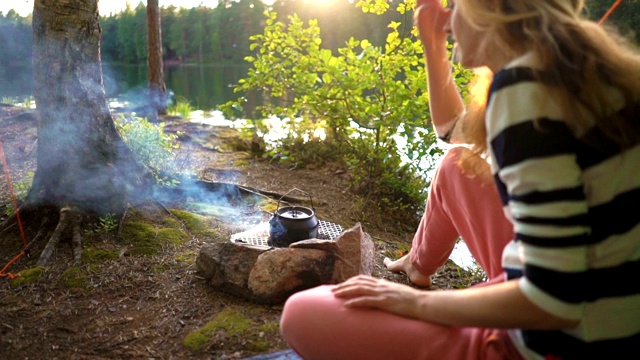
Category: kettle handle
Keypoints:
(296, 189)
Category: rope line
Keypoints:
(14, 200)
(611, 10)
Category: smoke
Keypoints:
(129, 92)
(228, 202)
(16, 41)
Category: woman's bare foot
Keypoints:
(403, 265)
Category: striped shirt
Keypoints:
(575, 209)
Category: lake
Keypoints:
(204, 86)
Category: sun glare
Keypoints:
(23, 8)
(320, 2)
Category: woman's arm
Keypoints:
(500, 305)
(445, 102)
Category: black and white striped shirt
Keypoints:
(576, 212)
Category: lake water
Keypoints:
(204, 86)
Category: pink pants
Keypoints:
(317, 326)
(461, 206)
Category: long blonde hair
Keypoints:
(580, 60)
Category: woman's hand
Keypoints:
(368, 292)
(431, 18)
(498, 305)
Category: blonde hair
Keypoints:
(474, 131)
(580, 60)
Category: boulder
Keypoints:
(271, 275)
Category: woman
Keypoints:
(463, 201)
(563, 139)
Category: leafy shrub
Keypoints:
(151, 145)
(365, 99)
(182, 107)
(20, 190)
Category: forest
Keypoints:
(212, 35)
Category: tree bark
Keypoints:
(157, 87)
(81, 159)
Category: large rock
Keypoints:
(271, 275)
(226, 266)
(356, 254)
(279, 273)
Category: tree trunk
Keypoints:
(157, 88)
(81, 159)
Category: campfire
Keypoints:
(294, 250)
(259, 235)
(289, 224)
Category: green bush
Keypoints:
(20, 190)
(151, 145)
(182, 107)
(366, 99)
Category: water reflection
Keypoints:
(203, 86)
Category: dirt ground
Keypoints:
(149, 307)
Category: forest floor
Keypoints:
(155, 307)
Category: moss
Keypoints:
(143, 237)
(258, 346)
(146, 240)
(186, 257)
(220, 211)
(196, 224)
(74, 278)
(268, 205)
(134, 231)
(232, 322)
(171, 222)
(96, 256)
(28, 276)
(270, 328)
(171, 236)
(259, 341)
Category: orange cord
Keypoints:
(11, 275)
(606, 15)
(15, 206)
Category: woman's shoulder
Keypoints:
(512, 76)
(521, 69)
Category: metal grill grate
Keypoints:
(259, 235)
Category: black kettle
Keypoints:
(290, 224)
